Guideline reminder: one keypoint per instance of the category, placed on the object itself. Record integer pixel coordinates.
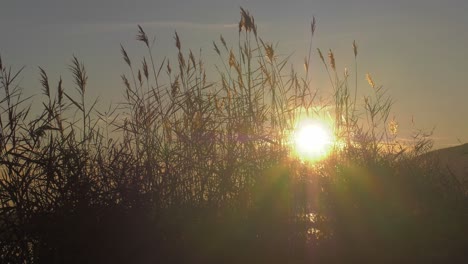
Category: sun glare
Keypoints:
(312, 140)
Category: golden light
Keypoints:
(313, 139)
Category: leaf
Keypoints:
(73, 101)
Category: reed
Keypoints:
(192, 169)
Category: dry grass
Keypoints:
(193, 170)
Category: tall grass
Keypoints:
(189, 169)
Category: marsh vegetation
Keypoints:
(193, 170)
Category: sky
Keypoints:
(414, 48)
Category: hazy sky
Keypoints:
(417, 49)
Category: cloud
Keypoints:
(187, 25)
(175, 25)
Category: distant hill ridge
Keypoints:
(454, 160)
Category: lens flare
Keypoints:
(312, 139)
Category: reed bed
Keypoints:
(191, 170)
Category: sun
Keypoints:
(312, 139)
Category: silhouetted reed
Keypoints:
(192, 170)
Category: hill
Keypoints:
(453, 160)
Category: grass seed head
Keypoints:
(177, 39)
(313, 26)
(270, 52)
(139, 77)
(60, 91)
(141, 36)
(168, 67)
(355, 48)
(79, 74)
(125, 56)
(45, 82)
(332, 59)
(247, 22)
(145, 69)
(232, 59)
(192, 59)
(370, 80)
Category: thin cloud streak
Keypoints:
(187, 25)
(161, 24)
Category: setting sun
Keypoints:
(312, 139)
